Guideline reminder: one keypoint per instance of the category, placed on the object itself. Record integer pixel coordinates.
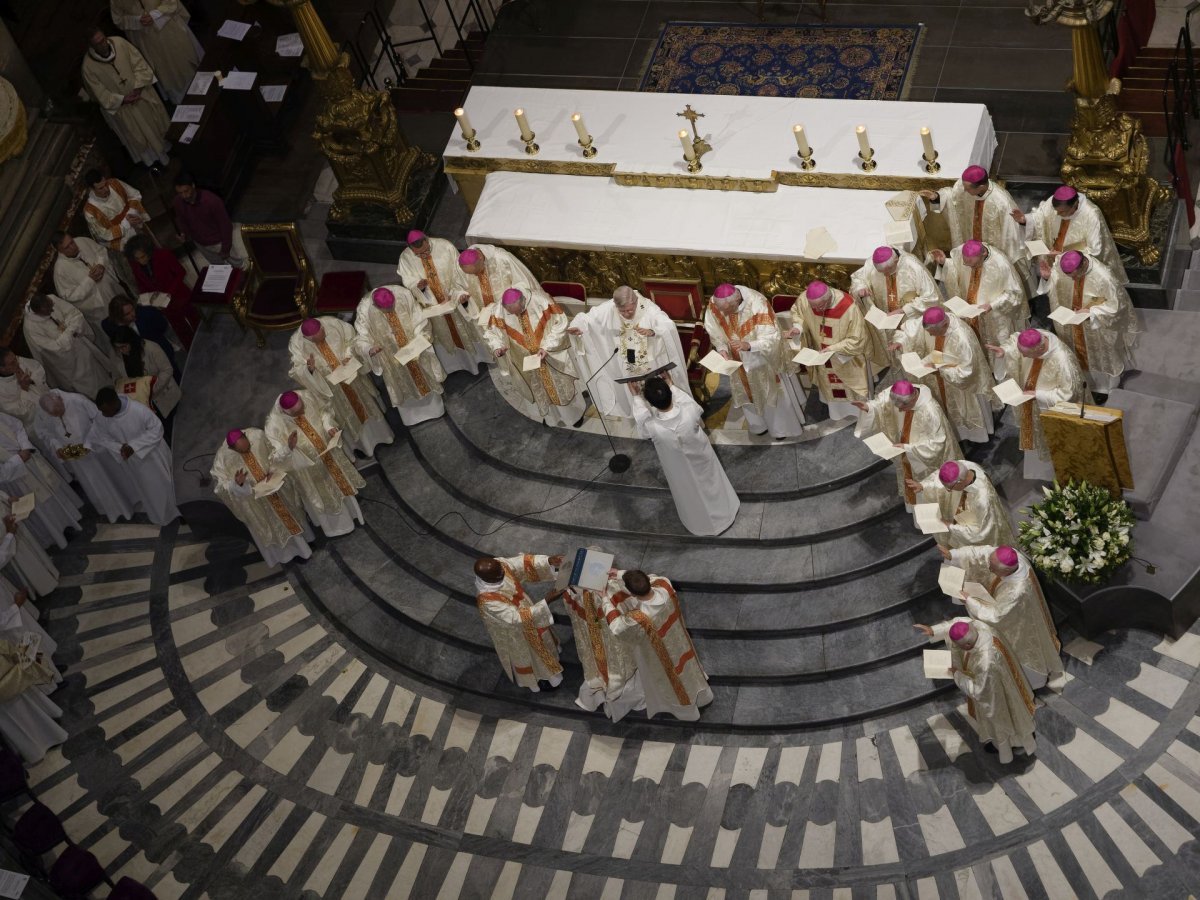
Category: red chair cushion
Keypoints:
(783, 302)
(341, 291)
(75, 872)
(272, 254)
(572, 289)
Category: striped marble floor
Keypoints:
(228, 741)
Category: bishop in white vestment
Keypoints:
(1103, 343)
(84, 278)
(318, 349)
(61, 340)
(387, 320)
(704, 498)
(968, 504)
(122, 82)
(23, 471)
(133, 435)
(520, 628)
(276, 522)
(894, 280)
(978, 209)
(984, 277)
(159, 29)
(1067, 220)
(610, 676)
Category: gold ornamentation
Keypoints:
(868, 160)
(699, 145)
(1088, 450)
(700, 182)
(859, 181)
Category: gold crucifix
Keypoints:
(699, 145)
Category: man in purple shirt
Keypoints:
(201, 217)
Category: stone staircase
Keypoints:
(441, 85)
(1142, 89)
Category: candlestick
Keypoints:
(927, 142)
(523, 124)
(865, 152)
(468, 132)
(689, 153)
(803, 150)
(930, 155)
(585, 139)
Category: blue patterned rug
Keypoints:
(830, 61)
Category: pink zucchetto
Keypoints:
(468, 257)
(961, 631)
(974, 175)
(415, 237)
(903, 388)
(383, 298)
(724, 291)
(882, 255)
(309, 327)
(1065, 194)
(816, 290)
(935, 315)
(1007, 557)
(233, 437)
(289, 400)
(1029, 338)
(949, 473)
(972, 249)
(1070, 261)
(511, 297)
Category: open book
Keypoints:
(269, 486)
(715, 362)
(1010, 393)
(881, 445)
(811, 357)
(411, 350)
(1064, 316)
(884, 321)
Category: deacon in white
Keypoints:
(300, 430)
(1017, 611)
(159, 29)
(610, 676)
(277, 523)
(984, 277)
(968, 504)
(1103, 343)
(1067, 220)
(649, 622)
(910, 418)
(61, 340)
(22, 385)
(704, 498)
(317, 348)
(83, 278)
(133, 435)
(741, 326)
(894, 280)
(999, 701)
(17, 612)
(428, 267)
(31, 565)
(64, 422)
(26, 714)
(978, 209)
(963, 386)
(530, 324)
(642, 335)
(519, 627)
(387, 320)
(1045, 369)
(23, 471)
(122, 82)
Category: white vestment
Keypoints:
(327, 480)
(704, 498)
(102, 478)
(910, 289)
(987, 219)
(62, 343)
(56, 506)
(609, 672)
(858, 352)
(167, 44)
(277, 522)
(999, 286)
(924, 431)
(1018, 612)
(604, 330)
(114, 219)
(977, 514)
(963, 388)
(456, 337)
(27, 723)
(142, 125)
(1086, 231)
(355, 403)
(14, 619)
(73, 284)
(22, 403)
(148, 484)
(1104, 342)
(1056, 379)
(415, 388)
(519, 627)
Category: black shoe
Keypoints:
(989, 747)
(580, 422)
(760, 433)
(547, 686)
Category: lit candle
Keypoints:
(688, 153)
(927, 140)
(464, 123)
(523, 124)
(580, 128)
(864, 144)
(801, 140)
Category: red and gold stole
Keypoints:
(910, 496)
(439, 294)
(331, 466)
(333, 362)
(589, 612)
(533, 342)
(1031, 381)
(401, 338)
(837, 389)
(977, 220)
(277, 504)
(735, 329)
(1063, 227)
(530, 631)
(1078, 338)
(485, 288)
(972, 293)
(939, 342)
(893, 293)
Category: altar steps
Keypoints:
(443, 84)
(1143, 86)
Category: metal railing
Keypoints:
(1181, 101)
(1109, 41)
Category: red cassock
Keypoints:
(165, 274)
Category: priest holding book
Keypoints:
(977, 209)
(394, 339)
(519, 626)
(1092, 314)
(967, 507)
(986, 280)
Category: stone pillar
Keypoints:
(15, 69)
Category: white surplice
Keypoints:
(74, 284)
(963, 388)
(415, 388)
(63, 343)
(987, 218)
(56, 508)
(14, 619)
(1086, 231)
(1103, 343)
(704, 498)
(148, 482)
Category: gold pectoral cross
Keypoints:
(699, 145)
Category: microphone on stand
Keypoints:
(618, 462)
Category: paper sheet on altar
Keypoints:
(937, 663)
(715, 362)
(1064, 316)
(963, 309)
(1010, 393)
(411, 350)
(270, 485)
(819, 242)
(881, 445)
(884, 321)
(928, 517)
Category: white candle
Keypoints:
(580, 128)
(523, 124)
(464, 123)
(927, 141)
(864, 144)
(801, 140)
(688, 153)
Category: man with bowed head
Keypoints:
(977, 209)
(387, 319)
(984, 277)
(1068, 220)
(894, 280)
(741, 325)
(519, 627)
(1103, 343)
(968, 504)
(133, 436)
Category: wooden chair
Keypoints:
(680, 298)
(695, 347)
(280, 289)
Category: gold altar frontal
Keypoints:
(1089, 449)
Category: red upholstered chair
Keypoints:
(76, 873)
(128, 889)
(280, 290)
(572, 289)
(340, 291)
(680, 298)
(695, 347)
(36, 833)
(211, 304)
(783, 302)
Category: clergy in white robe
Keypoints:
(827, 320)
(984, 277)
(643, 336)
(978, 209)
(968, 504)
(1067, 220)
(911, 418)
(387, 319)
(1017, 610)
(317, 349)
(23, 471)
(704, 498)
(122, 82)
(18, 614)
(519, 627)
(1000, 703)
(159, 29)
(1103, 343)
(894, 280)
(529, 325)
(133, 435)
(610, 676)
(276, 522)
(22, 385)
(64, 421)
(31, 566)
(301, 431)
(741, 326)
(26, 714)
(428, 267)
(84, 278)
(1048, 371)
(962, 381)
(655, 634)
(61, 340)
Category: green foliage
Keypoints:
(1080, 532)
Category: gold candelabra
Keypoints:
(868, 159)
(699, 145)
(932, 166)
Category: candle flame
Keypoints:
(518, 112)
(925, 131)
(861, 129)
(576, 117)
(683, 134)
(797, 128)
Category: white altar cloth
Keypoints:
(589, 213)
(751, 136)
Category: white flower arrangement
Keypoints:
(1080, 532)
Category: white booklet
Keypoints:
(915, 366)
(411, 350)
(157, 299)
(188, 112)
(201, 82)
(963, 309)
(937, 663)
(441, 309)
(715, 362)
(239, 81)
(272, 93)
(884, 321)
(811, 357)
(217, 279)
(345, 372)
(270, 485)
(233, 29)
(1064, 316)
(1038, 248)
(929, 518)
(881, 445)
(978, 591)
(22, 507)
(950, 580)
(1010, 393)
(532, 363)
(330, 443)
